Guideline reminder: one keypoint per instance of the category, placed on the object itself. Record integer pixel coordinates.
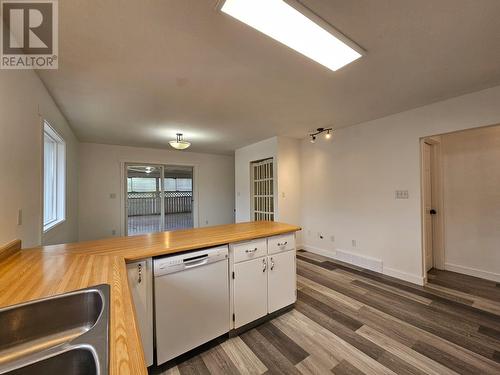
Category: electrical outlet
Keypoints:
(113, 232)
(354, 243)
(20, 217)
(282, 194)
(206, 222)
(112, 196)
(332, 238)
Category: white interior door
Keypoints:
(427, 206)
(282, 283)
(250, 291)
(262, 190)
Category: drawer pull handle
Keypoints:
(282, 244)
(249, 251)
(264, 265)
(139, 271)
(272, 264)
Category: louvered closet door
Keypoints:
(263, 190)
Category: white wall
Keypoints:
(101, 174)
(471, 193)
(348, 184)
(242, 158)
(24, 103)
(288, 186)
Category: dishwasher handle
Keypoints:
(196, 261)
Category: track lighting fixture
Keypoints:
(328, 135)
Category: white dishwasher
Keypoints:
(191, 300)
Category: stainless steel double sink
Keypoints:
(64, 334)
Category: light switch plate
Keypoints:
(402, 194)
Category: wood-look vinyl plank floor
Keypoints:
(353, 321)
(467, 284)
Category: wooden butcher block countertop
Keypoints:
(44, 271)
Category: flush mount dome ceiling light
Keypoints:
(179, 143)
(299, 30)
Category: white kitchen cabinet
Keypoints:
(140, 278)
(264, 277)
(250, 291)
(282, 280)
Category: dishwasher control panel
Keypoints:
(185, 261)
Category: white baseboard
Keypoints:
(472, 272)
(414, 279)
(317, 250)
(362, 261)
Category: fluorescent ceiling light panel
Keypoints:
(287, 25)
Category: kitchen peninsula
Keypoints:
(45, 271)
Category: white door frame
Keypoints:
(438, 247)
(123, 189)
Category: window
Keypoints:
(178, 184)
(149, 184)
(262, 190)
(54, 178)
(142, 184)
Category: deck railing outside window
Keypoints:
(142, 204)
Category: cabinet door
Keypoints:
(282, 280)
(140, 279)
(250, 291)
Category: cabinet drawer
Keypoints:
(249, 250)
(283, 242)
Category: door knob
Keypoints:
(433, 212)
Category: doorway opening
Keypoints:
(461, 211)
(158, 198)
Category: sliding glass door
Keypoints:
(144, 199)
(159, 198)
(178, 197)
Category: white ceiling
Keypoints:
(136, 72)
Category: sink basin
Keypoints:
(76, 362)
(68, 330)
(37, 326)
